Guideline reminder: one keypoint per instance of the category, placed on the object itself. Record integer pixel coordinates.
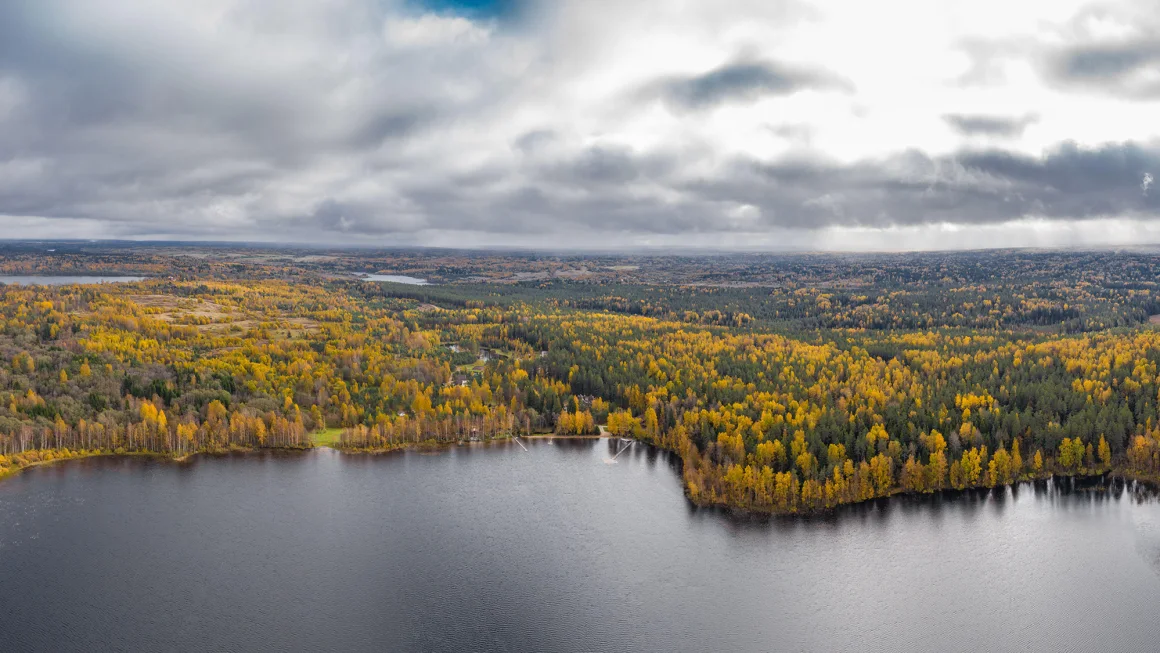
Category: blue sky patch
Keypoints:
(475, 9)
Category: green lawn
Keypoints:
(326, 437)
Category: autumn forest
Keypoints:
(788, 383)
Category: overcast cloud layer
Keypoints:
(583, 123)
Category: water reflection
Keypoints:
(1062, 492)
(491, 547)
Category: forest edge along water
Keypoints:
(332, 439)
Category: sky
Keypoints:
(583, 124)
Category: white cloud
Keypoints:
(429, 30)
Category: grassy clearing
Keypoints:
(326, 437)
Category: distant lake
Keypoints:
(35, 280)
(396, 278)
(493, 548)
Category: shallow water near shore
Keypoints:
(493, 548)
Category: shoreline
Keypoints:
(422, 445)
(743, 513)
(155, 455)
(732, 511)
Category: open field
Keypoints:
(326, 437)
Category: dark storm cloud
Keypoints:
(973, 187)
(970, 125)
(1129, 68)
(1108, 61)
(605, 192)
(742, 81)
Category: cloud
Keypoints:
(577, 123)
(742, 81)
(1130, 68)
(983, 125)
(1101, 62)
(991, 186)
(1107, 48)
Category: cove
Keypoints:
(494, 548)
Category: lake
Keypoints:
(492, 548)
(396, 278)
(35, 280)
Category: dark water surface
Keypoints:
(497, 549)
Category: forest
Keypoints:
(788, 383)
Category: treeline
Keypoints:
(992, 307)
(217, 430)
